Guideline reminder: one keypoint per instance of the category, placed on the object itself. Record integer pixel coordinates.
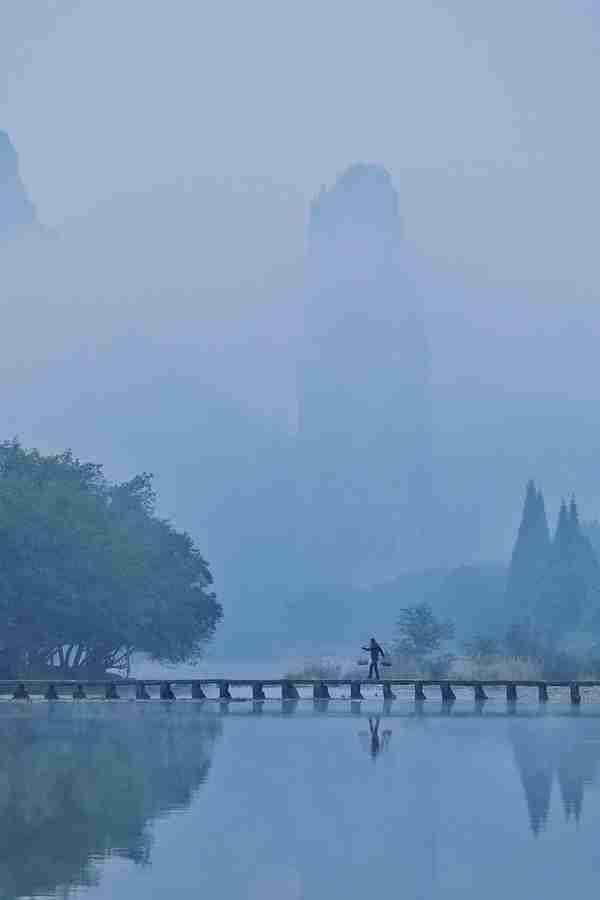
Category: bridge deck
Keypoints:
(306, 682)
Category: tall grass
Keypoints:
(316, 669)
(507, 668)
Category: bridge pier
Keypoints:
(141, 691)
(355, 692)
(321, 691)
(388, 694)
(419, 692)
(289, 691)
(166, 691)
(224, 692)
(448, 695)
(197, 692)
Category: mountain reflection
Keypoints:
(556, 751)
(80, 783)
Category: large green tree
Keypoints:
(88, 572)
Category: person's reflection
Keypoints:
(377, 742)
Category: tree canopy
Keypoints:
(420, 639)
(88, 572)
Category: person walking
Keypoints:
(375, 651)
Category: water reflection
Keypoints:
(556, 751)
(375, 742)
(294, 807)
(81, 782)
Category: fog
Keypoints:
(173, 152)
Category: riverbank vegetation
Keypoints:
(538, 618)
(90, 574)
(547, 625)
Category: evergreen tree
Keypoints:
(530, 557)
(573, 514)
(572, 577)
(563, 537)
(585, 556)
(544, 530)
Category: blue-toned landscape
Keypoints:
(299, 449)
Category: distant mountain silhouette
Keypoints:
(17, 212)
(364, 435)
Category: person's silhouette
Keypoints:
(375, 651)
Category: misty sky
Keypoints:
(483, 112)
(176, 147)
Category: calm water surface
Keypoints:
(131, 800)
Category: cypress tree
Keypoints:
(584, 555)
(563, 536)
(529, 557)
(544, 530)
(573, 514)
(573, 573)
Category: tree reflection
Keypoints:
(80, 783)
(567, 752)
